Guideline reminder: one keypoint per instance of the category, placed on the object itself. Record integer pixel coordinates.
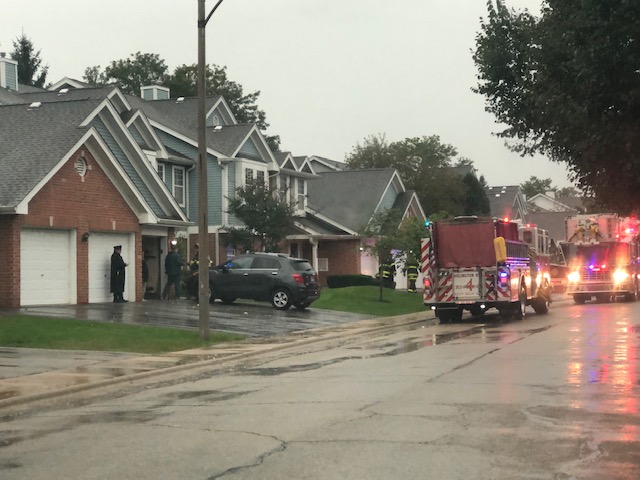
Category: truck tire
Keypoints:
(633, 296)
(579, 298)
(540, 305)
(519, 309)
(449, 315)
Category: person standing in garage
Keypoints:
(117, 274)
(173, 267)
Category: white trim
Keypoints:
(174, 169)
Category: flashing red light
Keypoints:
(505, 219)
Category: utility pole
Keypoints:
(203, 222)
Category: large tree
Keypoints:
(149, 69)
(267, 217)
(31, 71)
(566, 84)
(535, 185)
(424, 164)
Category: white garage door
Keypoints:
(47, 267)
(100, 251)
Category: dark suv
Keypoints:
(278, 278)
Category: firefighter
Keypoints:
(388, 274)
(412, 276)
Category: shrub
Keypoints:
(341, 281)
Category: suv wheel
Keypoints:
(212, 295)
(281, 299)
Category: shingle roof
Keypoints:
(503, 200)
(349, 197)
(33, 141)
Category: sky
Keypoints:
(330, 72)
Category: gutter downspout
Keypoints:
(314, 252)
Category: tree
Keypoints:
(183, 83)
(265, 216)
(535, 185)
(30, 69)
(149, 69)
(130, 74)
(566, 85)
(424, 164)
(382, 228)
(476, 201)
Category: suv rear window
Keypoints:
(301, 266)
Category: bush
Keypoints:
(341, 281)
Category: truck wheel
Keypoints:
(540, 305)
(633, 296)
(519, 310)
(579, 299)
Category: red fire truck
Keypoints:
(474, 264)
(603, 252)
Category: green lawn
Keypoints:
(67, 334)
(366, 300)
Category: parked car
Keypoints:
(278, 278)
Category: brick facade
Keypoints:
(68, 201)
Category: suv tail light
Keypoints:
(299, 279)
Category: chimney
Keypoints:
(8, 72)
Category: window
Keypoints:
(260, 177)
(248, 176)
(301, 193)
(161, 171)
(178, 185)
(323, 264)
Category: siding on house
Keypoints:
(250, 151)
(389, 199)
(122, 159)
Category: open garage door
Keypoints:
(100, 251)
(47, 267)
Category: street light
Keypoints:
(203, 223)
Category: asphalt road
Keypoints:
(550, 397)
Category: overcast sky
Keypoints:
(330, 72)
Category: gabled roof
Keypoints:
(33, 141)
(507, 201)
(37, 138)
(322, 164)
(547, 203)
(551, 221)
(350, 198)
(67, 82)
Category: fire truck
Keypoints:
(471, 263)
(603, 257)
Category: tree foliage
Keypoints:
(566, 84)
(31, 71)
(535, 185)
(424, 164)
(265, 216)
(143, 69)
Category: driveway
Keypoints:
(253, 319)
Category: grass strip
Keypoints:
(70, 334)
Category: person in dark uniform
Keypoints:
(117, 274)
(145, 276)
(173, 266)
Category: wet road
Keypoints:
(550, 397)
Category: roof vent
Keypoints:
(35, 105)
(63, 91)
(180, 100)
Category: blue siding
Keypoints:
(135, 133)
(389, 199)
(124, 162)
(214, 183)
(11, 76)
(250, 151)
(232, 169)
